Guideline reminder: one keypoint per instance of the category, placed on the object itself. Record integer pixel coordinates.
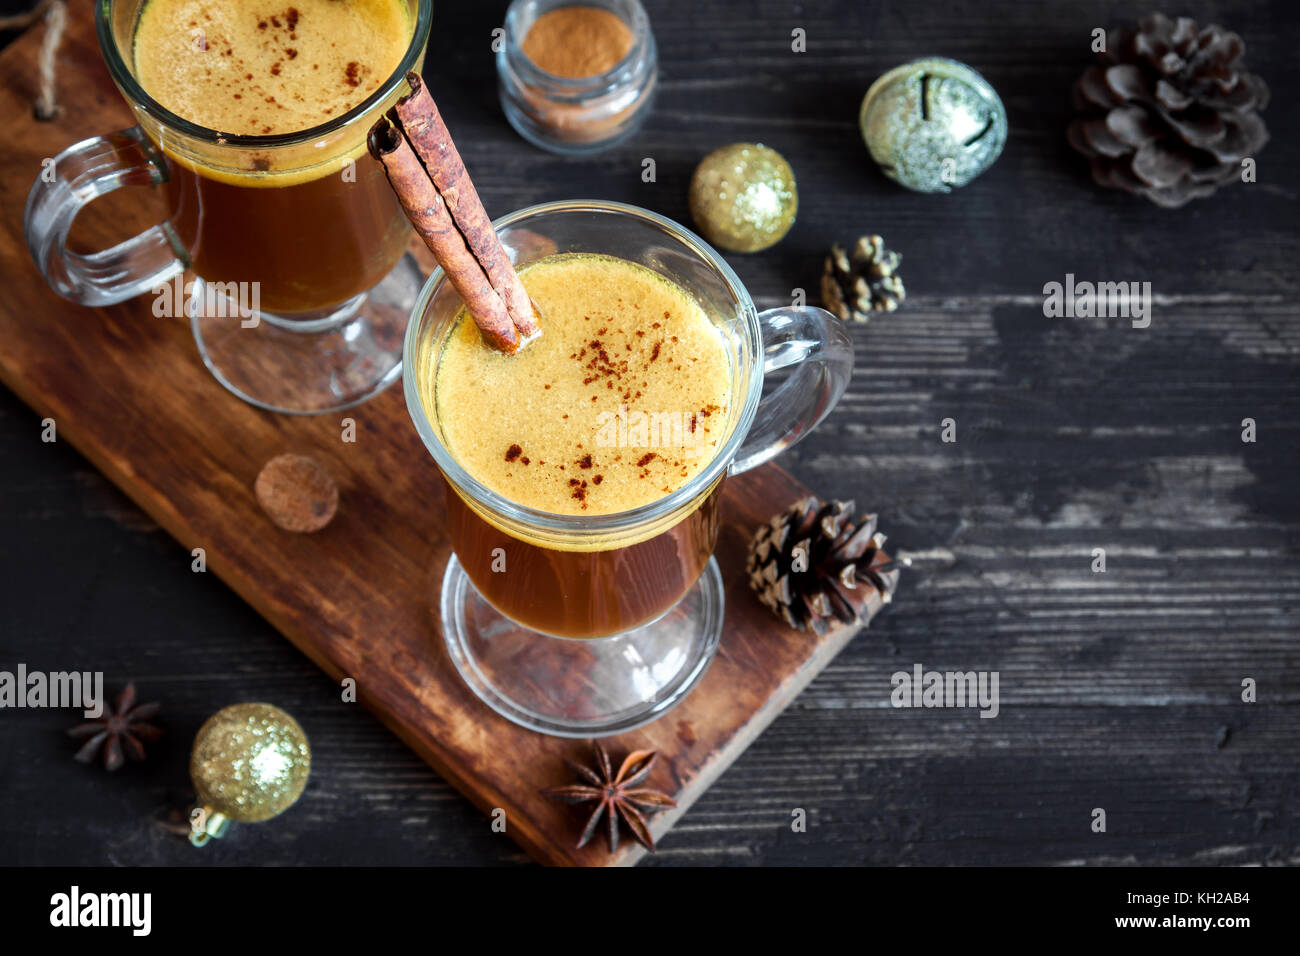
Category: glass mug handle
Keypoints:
(76, 176)
(819, 344)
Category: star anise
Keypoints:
(614, 795)
(122, 728)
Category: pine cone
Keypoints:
(840, 565)
(855, 287)
(1170, 112)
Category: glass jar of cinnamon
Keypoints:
(576, 77)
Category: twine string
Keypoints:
(55, 14)
(47, 106)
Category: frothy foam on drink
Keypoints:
(621, 401)
(262, 67)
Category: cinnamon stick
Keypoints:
(422, 125)
(429, 214)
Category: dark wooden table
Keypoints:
(1119, 690)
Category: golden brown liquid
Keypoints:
(311, 241)
(541, 428)
(584, 593)
(310, 245)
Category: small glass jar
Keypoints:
(583, 114)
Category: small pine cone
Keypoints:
(812, 563)
(854, 287)
(1169, 112)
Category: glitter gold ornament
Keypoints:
(933, 124)
(249, 763)
(743, 197)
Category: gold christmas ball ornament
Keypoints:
(933, 124)
(743, 197)
(249, 763)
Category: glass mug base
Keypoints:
(581, 687)
(313, 364)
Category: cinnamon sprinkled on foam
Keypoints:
(597, 355)
(267, 66)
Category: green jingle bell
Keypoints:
(933, 124)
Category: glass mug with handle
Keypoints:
(295, 239)
(598, 624)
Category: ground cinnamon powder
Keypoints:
(577, 41)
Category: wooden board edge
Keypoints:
(228, 573)
(834, 641)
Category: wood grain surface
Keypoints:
(1119, 691)
(128, 390)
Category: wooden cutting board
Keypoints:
(359, 598)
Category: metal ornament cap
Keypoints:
(933, 124)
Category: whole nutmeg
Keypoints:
(297, 493)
